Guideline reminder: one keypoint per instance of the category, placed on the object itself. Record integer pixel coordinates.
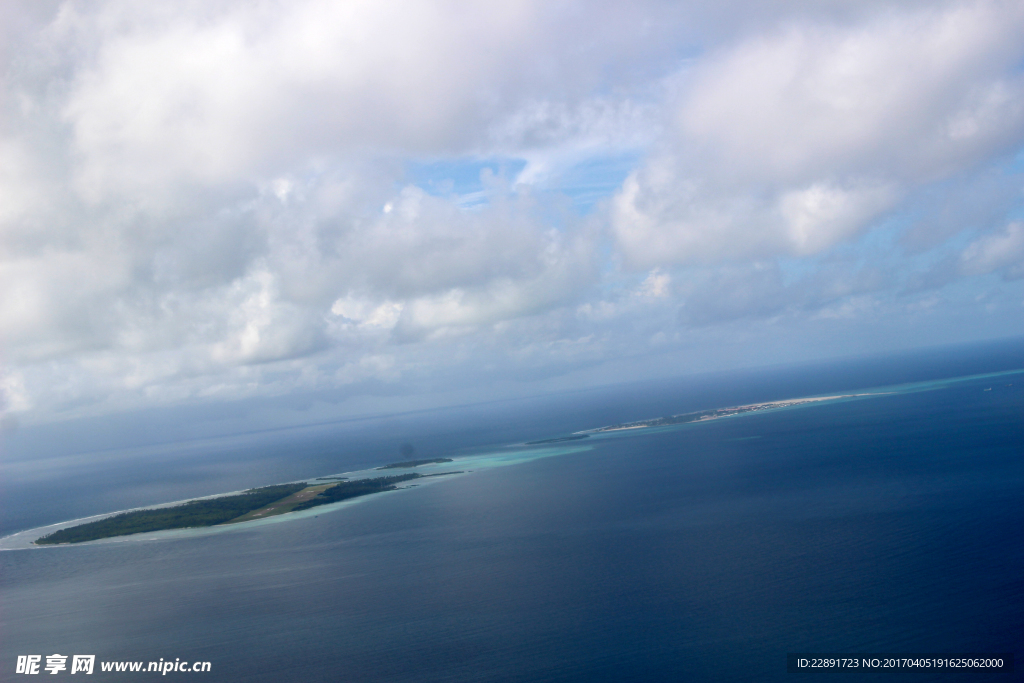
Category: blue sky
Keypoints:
(405, 204)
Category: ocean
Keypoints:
(888, 523)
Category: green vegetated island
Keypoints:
(242, 507)
(282, 498)
(414, 463)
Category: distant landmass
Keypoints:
(704, 415)
(414, 463)
(559, 439)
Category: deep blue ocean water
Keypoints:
(892, 523)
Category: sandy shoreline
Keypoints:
(731, 411)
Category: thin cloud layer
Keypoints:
(213, 201)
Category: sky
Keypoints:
(382, 205)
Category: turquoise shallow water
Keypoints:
(23, 540)
(510, 455)
(699, 552)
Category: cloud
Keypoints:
(309, 277)
(794, 141)
(999, 251)
(755, 291)
(553, 136)
(213, 93)
(235, 91)
(915, 93)
(213, 200)
(818, 216)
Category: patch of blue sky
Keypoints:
(1017, 165)
(795, 269)
(590, 182)
(615, 281)
(1016, 168)
(985, 299)
(471, 182)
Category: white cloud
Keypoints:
(818, 216)
(368, 314)
(235, 90)
(210, 200)
(212, 94)
(790, 142)
(657, 284)
(818, 98)
(13, 397)
(261, 327)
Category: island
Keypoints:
(268, 501)
(413, 463)
(249, 505)
(206, 512)
(705, 415)
(558, 439)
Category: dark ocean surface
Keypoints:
(891, 523)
